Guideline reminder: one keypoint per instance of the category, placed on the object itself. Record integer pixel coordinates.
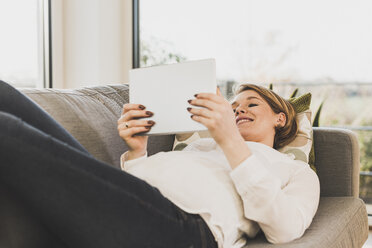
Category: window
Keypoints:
(317, 46)
(22, 44)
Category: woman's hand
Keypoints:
(129, 124)
(218, 116)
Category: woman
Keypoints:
(273, 188)
(85, 203)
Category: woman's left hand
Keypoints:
(217, 115)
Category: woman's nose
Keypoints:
(239, 110)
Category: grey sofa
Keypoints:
(90, 115)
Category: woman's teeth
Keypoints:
(244, 120)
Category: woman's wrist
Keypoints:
(134, 154)
(235, 150)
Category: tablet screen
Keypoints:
(165, 89)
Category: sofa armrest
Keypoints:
(337, 161)
(339, 222)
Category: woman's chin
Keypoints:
(245, 134)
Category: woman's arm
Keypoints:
(282, 213)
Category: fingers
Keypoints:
(129, 128)
(131, 106)
(129, 132)
(215, 109)
(134, 114)
(210, 96)
(136, 123)
(209, 123)
(129, 123)
(206, 103)
(206, 113)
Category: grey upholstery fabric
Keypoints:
(90, 115)
(339, 222)
(337, 161)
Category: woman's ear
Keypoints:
(281, 120)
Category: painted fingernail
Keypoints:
(141, 107)
(196, 95)
(148, 128)
(191, 116)
(189, 101)
(149, 113)
(188, 109)
(151, 122)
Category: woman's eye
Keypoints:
(252, 105)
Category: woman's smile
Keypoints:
(241, 120)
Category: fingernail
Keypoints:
(151, 122)
(149, 113)
(196, 95)
(189, 101)
(141, 107)
(191, 116)
(148, 128)
(188, 109)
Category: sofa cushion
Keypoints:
(90, 114)
(340, 222)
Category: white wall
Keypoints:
(92, 42)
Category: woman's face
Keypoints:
(255, 119)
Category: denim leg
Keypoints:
(84, 202)
(16, 103)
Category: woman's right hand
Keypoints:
(130, 124)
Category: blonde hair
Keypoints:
(283, 135)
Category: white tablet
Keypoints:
(165, 89)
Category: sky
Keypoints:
(271, 40)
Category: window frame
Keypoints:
(45, 44)
(136, 34)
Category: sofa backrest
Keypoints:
(90, 114)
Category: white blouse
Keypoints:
(269, 190)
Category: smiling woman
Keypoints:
(255, 102)
(211, 177)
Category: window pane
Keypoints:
(20, 43)
(263, 40)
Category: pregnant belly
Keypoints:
(193, 181)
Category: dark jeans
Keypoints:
(82, 201)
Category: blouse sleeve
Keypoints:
(282, 213)
(126, 165)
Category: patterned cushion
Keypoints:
(301, 148)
